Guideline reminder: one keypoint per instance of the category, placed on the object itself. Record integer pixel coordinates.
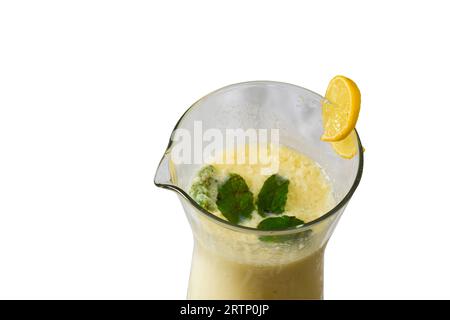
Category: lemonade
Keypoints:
(260, 231)
(279, 270)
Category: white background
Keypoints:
(89, 94)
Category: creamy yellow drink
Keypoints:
(236, 265)
(260, 230)
(214, 276)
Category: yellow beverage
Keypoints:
(232, 265)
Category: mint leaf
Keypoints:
(207, 173)
(234, 199)
(281, 223)
(204, 188)
(273, 195)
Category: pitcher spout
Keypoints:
(163, 177)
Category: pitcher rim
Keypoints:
(341, 204)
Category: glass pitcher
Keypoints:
(230, 261)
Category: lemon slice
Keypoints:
(340, 111)
(348, 147)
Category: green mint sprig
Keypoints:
(281, 223)
(273, 195)
(204, 189)
(234, 199)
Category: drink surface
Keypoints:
(310, 193)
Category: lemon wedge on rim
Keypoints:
(348, 147)
(340, 110)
